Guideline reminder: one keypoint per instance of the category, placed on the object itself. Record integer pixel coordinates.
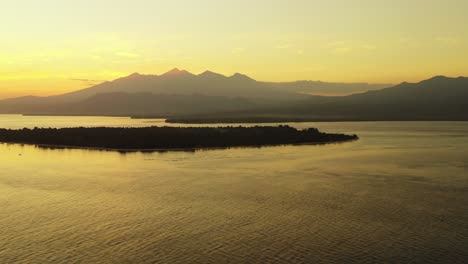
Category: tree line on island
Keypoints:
(169, 137)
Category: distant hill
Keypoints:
(439, 98)
(327, 88)
(131, 104)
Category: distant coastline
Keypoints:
(260, 120)
(200, 120)
(168, 138)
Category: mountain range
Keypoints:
(181, 94)
(437, 99)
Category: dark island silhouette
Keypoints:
(167, 138)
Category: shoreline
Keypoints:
(57, 147)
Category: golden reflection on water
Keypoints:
(398, 194)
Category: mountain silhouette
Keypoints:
(147, 104)
(439, 89)
(181, 82)
(181, 93)
(210, 83)
(177, 72)
(438, 98)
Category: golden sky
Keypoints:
(54, 46)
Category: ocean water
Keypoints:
(398, 195)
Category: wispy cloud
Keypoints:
(336, 43)
(284, 46)
(343, 49)
(95, 57)
(368, 47)
(238, 50)
(340, 47)
(127, 54)
(448, 40)
(87, 82)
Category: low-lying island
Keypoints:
(167, 138)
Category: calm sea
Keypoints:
(398, 195)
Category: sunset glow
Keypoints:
(55, 46)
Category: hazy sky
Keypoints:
(53, 46)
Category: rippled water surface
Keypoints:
(398, 195)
